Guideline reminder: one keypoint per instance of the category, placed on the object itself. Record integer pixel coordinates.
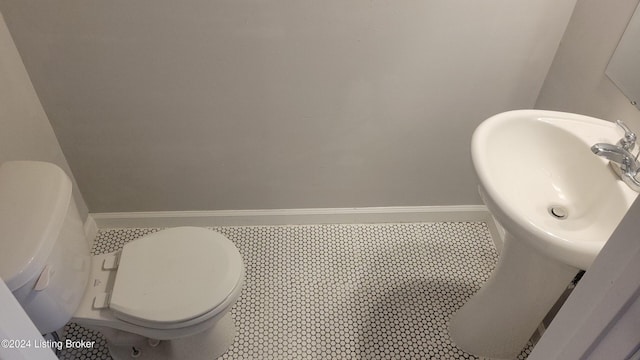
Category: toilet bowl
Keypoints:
(168, 285)
(166, 295)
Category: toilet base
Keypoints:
(207, 345)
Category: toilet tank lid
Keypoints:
(34, 197)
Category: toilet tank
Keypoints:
(44, 254)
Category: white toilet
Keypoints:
(163, 296)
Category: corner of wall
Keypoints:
(576, 81)
(26, 132)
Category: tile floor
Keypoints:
(370, 291)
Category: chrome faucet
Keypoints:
(621, 158)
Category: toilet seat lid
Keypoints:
(175, 275)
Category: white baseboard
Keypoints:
(292, 216)
(90, 229)
(497, 232)
(368, 215)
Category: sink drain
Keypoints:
(558, 212)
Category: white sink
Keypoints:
(558, 203)
(530, 161)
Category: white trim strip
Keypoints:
(90, 229)
(293, 216)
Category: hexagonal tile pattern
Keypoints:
(363, 291)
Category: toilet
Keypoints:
(166, 295)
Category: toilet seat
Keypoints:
(175, 277)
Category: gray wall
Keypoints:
(576, 81)
(25, 132)
(244, 104)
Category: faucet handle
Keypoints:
(628, 142)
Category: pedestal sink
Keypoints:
(558, 203)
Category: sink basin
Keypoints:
(558, 203)
(541, 181)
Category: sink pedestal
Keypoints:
(498, 321)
